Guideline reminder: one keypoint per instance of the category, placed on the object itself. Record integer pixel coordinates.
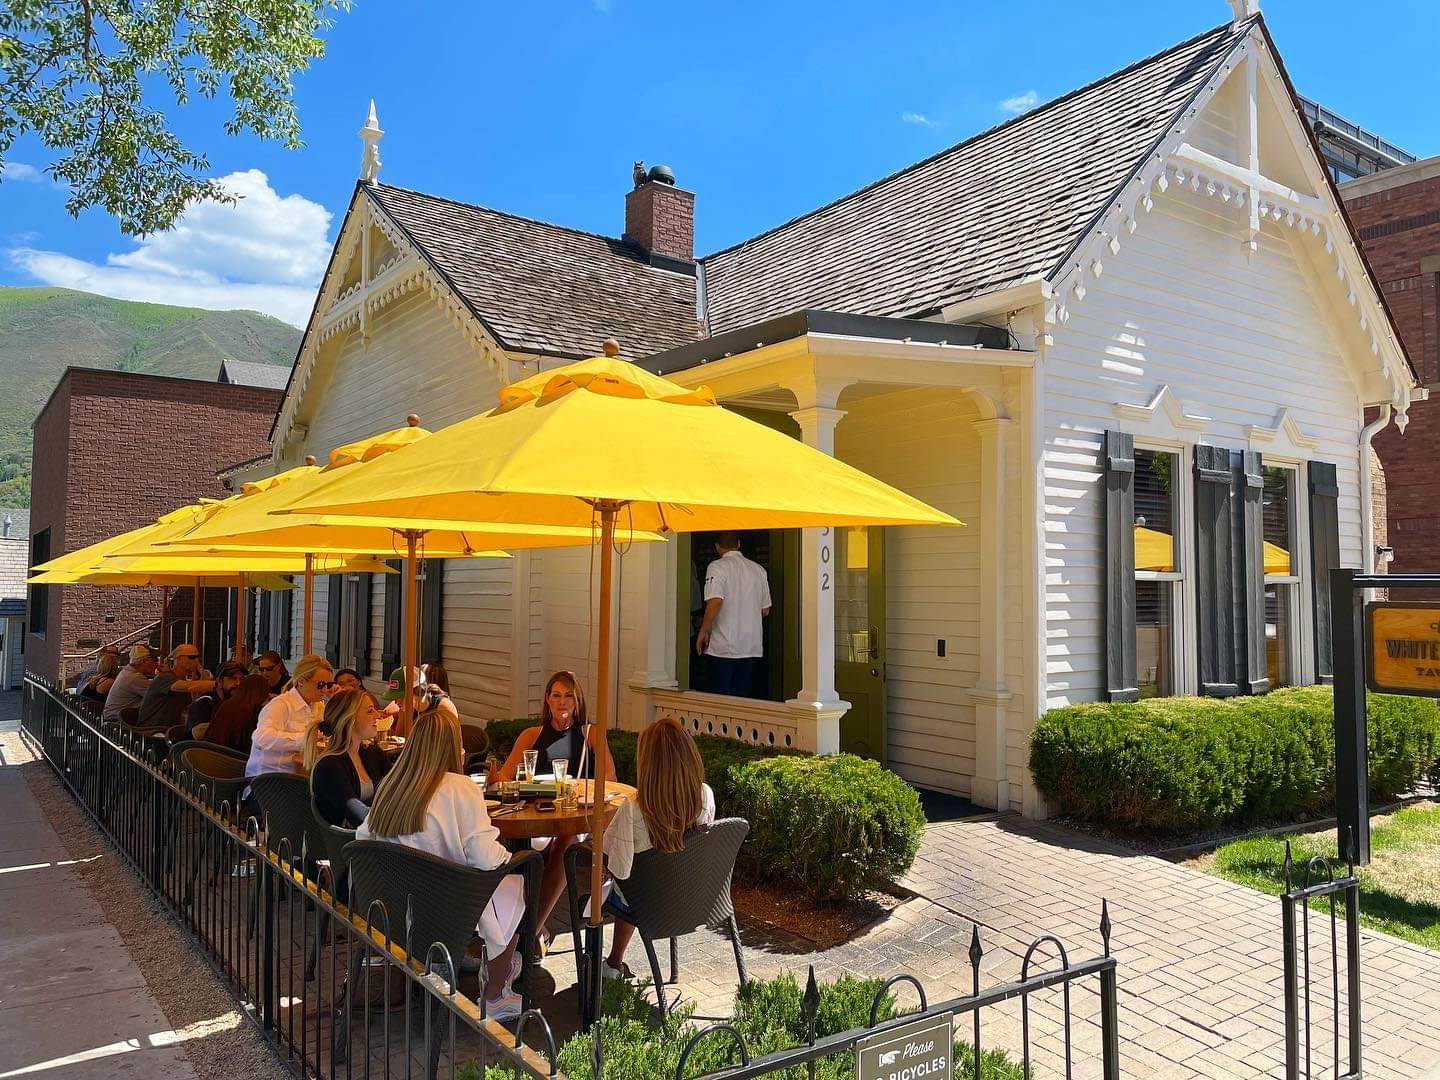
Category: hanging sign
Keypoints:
(918, 1051)
(1404, 652)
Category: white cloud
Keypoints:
(917, 118)
(1020, 103)
(26, 174)
(264, 252)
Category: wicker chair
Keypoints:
(668, 896)
(333, 838)
(219, 770)
(285, 799)
(444, 900)
(474, 740)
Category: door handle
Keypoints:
(874, 643)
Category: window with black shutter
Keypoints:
(432, 597)
(1159, 577)
(390, 650)
(1214, 572)
(1120, 676)
(1324, 557)
(334, 608)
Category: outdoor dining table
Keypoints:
(531, 823)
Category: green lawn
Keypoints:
(1399, 890)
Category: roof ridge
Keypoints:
(1039, 110)
(504, 213)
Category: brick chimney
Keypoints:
(660, 218)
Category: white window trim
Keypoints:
(1302, 615)
(1185, 672)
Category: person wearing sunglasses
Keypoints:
(272, 667)
(279, 740)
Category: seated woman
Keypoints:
(98, 685)
(561, 733)
(436, 675)
(425, 802)
(279, 737)
(234, 719)
(671, 797)
(346, 767)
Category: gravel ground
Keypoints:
(220, 1042)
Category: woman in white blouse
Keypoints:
(279, 740)
(426, 802)
(671, 797)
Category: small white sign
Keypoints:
(918, 1051)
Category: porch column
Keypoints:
(817, 695)
(991, 695)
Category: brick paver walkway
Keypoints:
(1200, 958)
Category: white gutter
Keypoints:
(1367, 498)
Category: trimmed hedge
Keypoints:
(832, 827)
(1184, 764)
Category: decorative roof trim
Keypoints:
(1283, 438)
(1164, 415)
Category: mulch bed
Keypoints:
(825, 927)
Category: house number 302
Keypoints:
(824, 559)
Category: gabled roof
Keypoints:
(545, 288)
(1000, 208)
(246, 373)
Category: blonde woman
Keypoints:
(279, 738)
(98, 685)
(671, 797)
(344, 766)
(427, 803)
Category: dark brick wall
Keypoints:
(661, 218)
(113, 451)
(1399, 227)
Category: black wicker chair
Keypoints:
(668, 896)
(444, 901)
(219, 771)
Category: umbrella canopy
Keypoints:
(1155, 550)
(603, 429)
(604, 441)
(231, 579)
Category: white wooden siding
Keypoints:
(1236, 340)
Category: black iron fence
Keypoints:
(267, 917)
(1320, 882)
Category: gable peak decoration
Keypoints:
(1243, 9)
(1164, 415)
(370, 155)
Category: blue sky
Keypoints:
(764, 110)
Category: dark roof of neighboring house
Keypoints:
(545, 288)
(247, 373)
(19, 522)
(1000, 208)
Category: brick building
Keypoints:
(1397, 214)
(112, 451)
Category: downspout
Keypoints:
(1367, 497)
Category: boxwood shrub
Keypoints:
(1184, 764)
(830, 826)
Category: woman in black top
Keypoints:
(345, 768)
(98, 685)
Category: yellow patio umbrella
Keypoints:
(1155, 550)
(604, 442)
(247, 523)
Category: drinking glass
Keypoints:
(527, 768)
(562, 769)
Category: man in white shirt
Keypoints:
(732, 631)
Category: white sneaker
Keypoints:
(505, 1008)
(608, 972)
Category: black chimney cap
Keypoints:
(661, 174)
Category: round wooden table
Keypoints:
(530, 823)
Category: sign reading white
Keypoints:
(918, 1051)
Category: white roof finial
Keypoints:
(1243, 9)
(370, 156)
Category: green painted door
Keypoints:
(860, 638)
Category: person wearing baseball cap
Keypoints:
(171, 691)
(128, 689)
(426, 695)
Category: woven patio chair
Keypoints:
(669, 896)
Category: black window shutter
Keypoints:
(1249, 584)
(431, 610)
(1324, 557)
(262, 636)
(332, 617)
(362, 624)
(286, 605)
(1120, 674)
(1214, 576)
(394, 620)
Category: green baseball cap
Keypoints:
(395, 688)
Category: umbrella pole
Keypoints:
(309, 603)
(195, 599)
(240, 615)
(164, 607)
(608, 510)
(412, 587)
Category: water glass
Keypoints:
(527, 768)
(562, 770)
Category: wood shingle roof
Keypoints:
(1000, 208)
(546, 288)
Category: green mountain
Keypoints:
(44, 331)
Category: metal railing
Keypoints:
(265, 916)
(1102, 970)
(1320, 882)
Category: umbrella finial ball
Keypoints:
(610, 346)
(413, 420)
(309, 459)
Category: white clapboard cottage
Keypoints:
(1128, 337)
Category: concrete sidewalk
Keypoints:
(72, 1001)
